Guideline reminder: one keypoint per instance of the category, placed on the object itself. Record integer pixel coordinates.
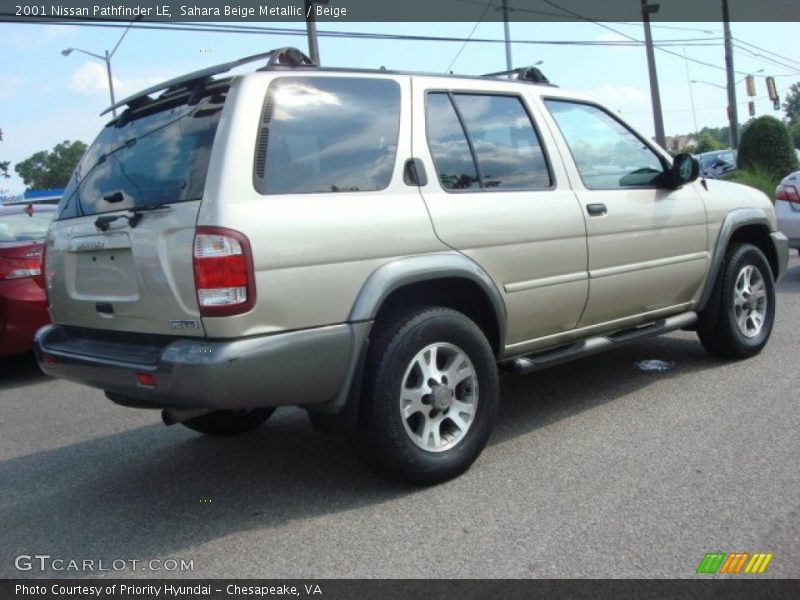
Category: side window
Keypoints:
(508, 151)
(327, 134)
(449, 148)
(484, 141)
(608, 155)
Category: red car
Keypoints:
(23, 307)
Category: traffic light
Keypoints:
(777, 104)
(750, 83)
(771, 89)
(751, 107)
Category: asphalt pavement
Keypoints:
(595, 469)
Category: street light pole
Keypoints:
(110, 82)
(658, 119)
(107, 59)
(311, 32)
(507, 31)
(733, 117)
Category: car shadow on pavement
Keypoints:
(151, 492)
(18, 370)
(539, 399)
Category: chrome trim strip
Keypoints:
(648, 264)
(533, 284)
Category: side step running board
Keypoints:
(595, 344)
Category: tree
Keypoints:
(794, 131)
(4, 164)
(707, 143)
(791, 105)
(46, 170)
(766, 146)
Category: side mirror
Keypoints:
(685, 169)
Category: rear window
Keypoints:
(327, 134)
(156, 159)
(25, 227)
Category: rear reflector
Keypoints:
(788, 193)
(147, 379)
(223, 272)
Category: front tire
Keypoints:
(430, 396)
(229, 422)
(742, 321)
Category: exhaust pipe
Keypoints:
(172, 416)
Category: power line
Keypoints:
(691, 42)
(766, 58)
(471, 33)
(752, 47)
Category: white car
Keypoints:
(787, 208)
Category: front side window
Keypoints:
(328, 134)
(606, 153)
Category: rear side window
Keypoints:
(449, 147)
(327, 134)
(484, 141)
(156, 159)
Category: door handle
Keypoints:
(596, 210)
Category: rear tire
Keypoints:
(430, 396)
(740, 324)
(229, 422)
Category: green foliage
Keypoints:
(4, 164)
(706, 143)
(758, 178)
(794, 132)
(766, 146)
(45, 170)
(791, 105)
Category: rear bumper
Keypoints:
(304, 367)
(23, 310)
(782, 250)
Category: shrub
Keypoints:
(766, 146)
(764, 181)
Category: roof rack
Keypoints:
(531, 74)
(279, 57)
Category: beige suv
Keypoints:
(372, 245)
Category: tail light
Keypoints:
(223, 272)
(787, 192)
(27, 264)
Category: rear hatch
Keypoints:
(119, 254)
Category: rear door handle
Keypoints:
(596, 210)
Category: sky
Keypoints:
(46, 98)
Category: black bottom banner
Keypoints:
(399, 589)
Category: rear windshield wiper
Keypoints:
(102, 223)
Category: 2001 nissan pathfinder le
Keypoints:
(371, 245)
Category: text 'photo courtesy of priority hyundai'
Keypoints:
(374, 246)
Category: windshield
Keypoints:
(157, 159)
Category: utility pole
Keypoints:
(658, 119)
(311, 29)
(507, 30)
(733, 117)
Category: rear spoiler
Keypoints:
(288, 57)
